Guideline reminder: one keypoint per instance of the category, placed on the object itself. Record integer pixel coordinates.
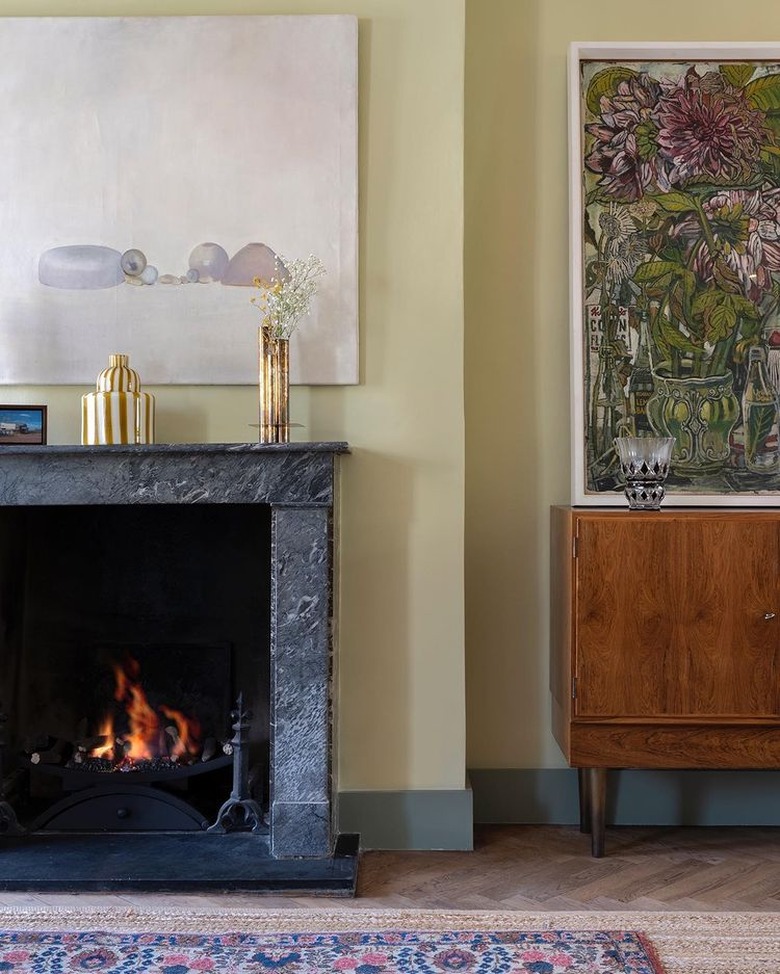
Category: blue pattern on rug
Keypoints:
(393, 952)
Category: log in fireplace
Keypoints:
(165, 660)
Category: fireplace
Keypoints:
(165, 626)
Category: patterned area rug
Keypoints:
(399, 952)
(685, 943)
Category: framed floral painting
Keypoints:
(675, 263)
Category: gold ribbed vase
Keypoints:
(274, 387)
(117, 412)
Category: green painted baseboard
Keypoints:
(408, 819)
(528, 796)
(549, 797)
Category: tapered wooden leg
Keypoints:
(597, 794)
(584, 793)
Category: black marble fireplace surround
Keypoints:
(291, 489)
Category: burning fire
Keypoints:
(151, 734)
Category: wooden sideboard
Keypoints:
(665, 641)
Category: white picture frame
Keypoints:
(750, 177)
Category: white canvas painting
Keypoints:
(150, 167)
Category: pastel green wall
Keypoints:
(517, 331)
(401, 669)
(401, 665)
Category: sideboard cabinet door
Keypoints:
(677, 616)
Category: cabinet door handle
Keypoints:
(769, 615)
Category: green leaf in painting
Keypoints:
(687, 285)
(606, 82)
(663, 351)
(595, 196)
(737, 75)
(751, 329)
(745, 308)
(674, 338)
(772, 122)
(646, 135)
(770, 153)
(764, 93)
(770, 160)
(758, 426)
(594, 274)
(676, 202)
(722, 321)
(725, 276)
(705, 305)
(654, 271)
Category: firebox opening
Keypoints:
(134, 707)
(127, 633)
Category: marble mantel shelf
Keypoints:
(288, 474)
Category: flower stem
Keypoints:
(712, 245)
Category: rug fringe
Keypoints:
(305, 919)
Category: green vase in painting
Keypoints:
(700, 413)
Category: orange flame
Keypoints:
(106, 730)
(188, 730)
(146, 737)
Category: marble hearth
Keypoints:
(295, 484)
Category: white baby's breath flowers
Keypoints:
(286, 298)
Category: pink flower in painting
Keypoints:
(745, 227)
(708, 130)
(16, 956)
(374, 959)
(345, 963)
(625, 151)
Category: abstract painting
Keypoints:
(152, 169)
(675, 231)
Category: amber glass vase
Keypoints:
(274, 388)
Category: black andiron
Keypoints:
(240, 813)
(9, 824)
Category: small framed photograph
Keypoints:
(22, 424)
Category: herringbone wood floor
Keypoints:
(533, 868)
(540, 867)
